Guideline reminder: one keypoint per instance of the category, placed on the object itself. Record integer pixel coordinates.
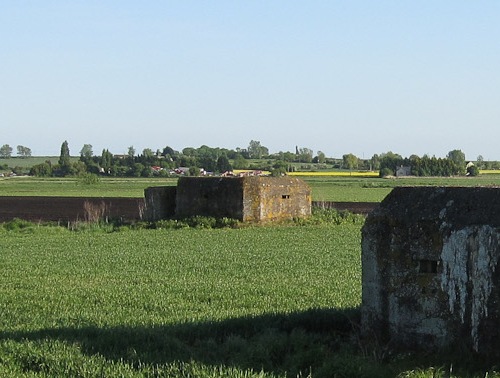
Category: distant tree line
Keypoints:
(453, 165)
(22, 151)
(163, 162)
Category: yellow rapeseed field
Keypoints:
(337, 173)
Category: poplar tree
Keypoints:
(64, 159)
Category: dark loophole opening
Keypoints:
(428, 266)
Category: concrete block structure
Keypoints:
(430, 271)
(248, 199)
(159, 202)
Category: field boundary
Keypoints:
(66, 209)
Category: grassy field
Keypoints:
(16, 161)
(74, 187)
(134, 303)
(324, 188)
(251, 302)
(374, 189)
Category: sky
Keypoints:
(361, 77)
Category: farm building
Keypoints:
(403, 171)
(430, 269)
(253, 199)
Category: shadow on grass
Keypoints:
(275, 343)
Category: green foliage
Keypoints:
(386, 172)
(86, 154)
(433, 166)
(472, 171)
(94, 226)
(18, 225)
(106, 161)
(137, 169)
(331, 216)
(350, 161)
(23, 152)
(304, 155)
(198, 222)
(5, 151)
(223, 164)
(194, 171)
(41, 170)
(388, 161)
(256, 150)
(89, 179)
(424, 166)
(279, 168)
(240, 162)
(457, 157)
(64, 160)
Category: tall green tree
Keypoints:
(23, 151)
(189, 151)
(458, 158)
(64, 159)
(375, 163)
(223, 164)
(106, 161)
(256, 150)
(321, 157)
(389, 162)
(480, 162)
(86, 153)
(5, 151)
(131, 152)
(350, 161)
(148, 156)
(169, 151)
(305, 155)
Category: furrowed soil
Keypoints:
(69, 208)
(65, 209)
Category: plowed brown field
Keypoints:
(67, 209)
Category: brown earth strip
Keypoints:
(69, 209)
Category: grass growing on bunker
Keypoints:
(249, 302)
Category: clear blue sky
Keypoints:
(362, 77)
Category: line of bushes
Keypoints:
(319, 217)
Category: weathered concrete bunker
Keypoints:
(430, 268)
(253, 199)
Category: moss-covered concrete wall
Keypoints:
(430, 269)
(275, 198)
(253, 199)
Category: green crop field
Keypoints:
(277, 301)
(75, 187)
(143, 302)
(374, 189)
(329, 188)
